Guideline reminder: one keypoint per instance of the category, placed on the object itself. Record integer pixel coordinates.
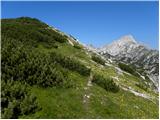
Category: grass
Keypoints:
(131, 80)
(59, 103)
(68, 102)
(67, 50)
(120, 105)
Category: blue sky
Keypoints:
(96, 23)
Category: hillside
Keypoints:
(49, 74)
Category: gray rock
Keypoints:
(127, 50)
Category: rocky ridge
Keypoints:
(128, 50)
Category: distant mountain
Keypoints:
(128, 50)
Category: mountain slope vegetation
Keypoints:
(48, 74)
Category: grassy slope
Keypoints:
(58, 102)
(68, 103)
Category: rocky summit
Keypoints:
(128, 50)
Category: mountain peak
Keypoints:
(127, 39)
(125, 43)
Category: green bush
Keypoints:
(77, 46)
(21, 62)
(16, 100)
(23, 65)
(128, 69)
(107, 83)
(97, 59)
(70, 63)
(142, 86)
(31, 31)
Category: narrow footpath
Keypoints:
(87, 93)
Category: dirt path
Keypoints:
(87, 93)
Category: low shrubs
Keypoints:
(107, 83)
(97, 59)
(77, 46)
(70, 63)
(31, 31)
(128, 69)
(24, 65)
(16, 100)
(142, 86)
(20, 62)
(21, 66)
